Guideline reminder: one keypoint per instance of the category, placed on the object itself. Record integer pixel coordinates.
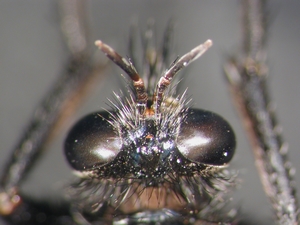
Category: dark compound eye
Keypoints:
(205, 137)
(92, 141)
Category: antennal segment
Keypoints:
(138, 83)
(184, 61)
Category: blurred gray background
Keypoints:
(32, 54)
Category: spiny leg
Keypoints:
(247, 75)
(67, 93)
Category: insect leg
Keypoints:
(55, 107)
(247, 78)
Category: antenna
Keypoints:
(127, 66)
(184, 61)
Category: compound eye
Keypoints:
(92, 141)
(207, 138)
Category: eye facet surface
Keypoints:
(207, 138)
(92, 141)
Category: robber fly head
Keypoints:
(149, 141)
(150, 136)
